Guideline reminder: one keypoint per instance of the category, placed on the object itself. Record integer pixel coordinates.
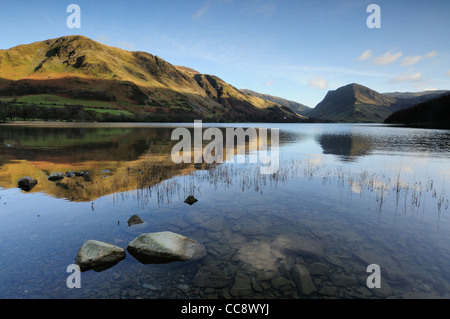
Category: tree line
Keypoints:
(10, 112)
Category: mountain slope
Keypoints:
(357, 103)
(78, 68)
(294, 106)
(434, 112)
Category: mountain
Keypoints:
(357, 103)
(75, 70)
(294, 106)
(434, 113)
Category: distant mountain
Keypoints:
(357, 103)
(294, 106)
(75, 70)
(434, 113)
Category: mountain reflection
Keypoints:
(117, 158)
(346, 147)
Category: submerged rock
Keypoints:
(303, 280)
(56, 176)
(210, 276)
(98, 255)
(135, 220)
(190, 200)
(27, 183)
(242, 287)
(165, 247)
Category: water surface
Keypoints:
(345, 196)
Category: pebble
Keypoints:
(152, 287)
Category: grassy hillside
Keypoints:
(75, 70)
(298, 108)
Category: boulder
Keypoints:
(303, 279)
(135, 220)
(165, 247)
(27, 183)
(81, 174)
(70, 174)
(242, 287)
(98, 255)
(57, 176)
(190, 200)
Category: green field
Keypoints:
(56, 101)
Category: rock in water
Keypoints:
(27, 183)
(98, 255)
(165, 247)
(56, 176)
(190, 200)
(303, 280)
(210, 276)
(134, 220)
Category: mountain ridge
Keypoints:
(297, 107)
(431, 113)
(143, 84)
(357, 103)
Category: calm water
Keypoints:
(344, 197)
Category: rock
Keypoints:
(70, 174)
(319, 269)
(56, 176)
(152, 287)
(27, 183)
(303, 280)
(210, 276)
(183, 287)
(81, 174)
(242, 286)
(165, 247)
(330, 291)
(301, 245)
(190, 200)
(135, 220)
(281, 283)
(384, 291)
(342, 280)
(98, 255)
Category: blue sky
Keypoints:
(294, 49)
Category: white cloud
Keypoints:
(387, 58)
(407, 77)
(318, 82)
(448, 73)
(201, 12)
(365, 55)
(410, 60)
(431, 54)
(268, 83)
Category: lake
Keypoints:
(345, 196)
